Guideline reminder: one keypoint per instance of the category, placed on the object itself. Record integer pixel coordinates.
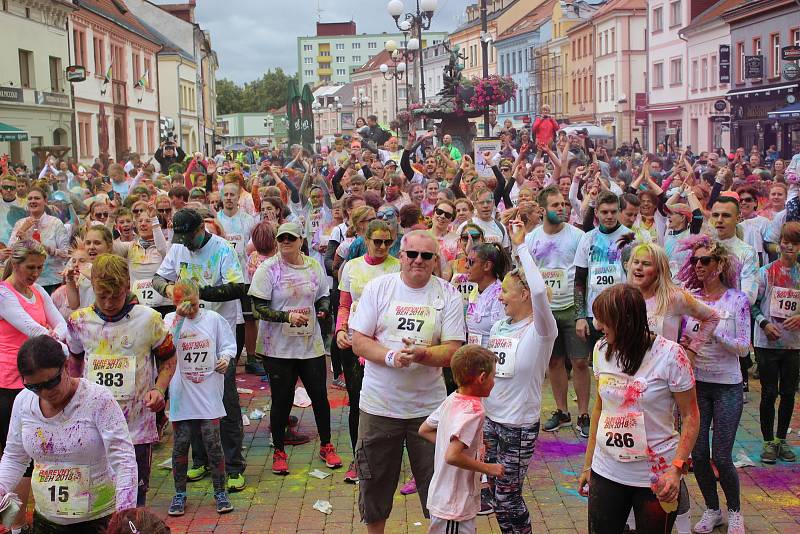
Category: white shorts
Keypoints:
(446, 526)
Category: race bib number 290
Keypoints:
(604, 275)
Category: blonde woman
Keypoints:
(360, 218)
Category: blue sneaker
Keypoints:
(178, 506)
(223, 502)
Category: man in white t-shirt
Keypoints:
(493, 231)
(211, 262)
(407, 327)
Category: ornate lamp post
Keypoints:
(395, 72)
(361, 101)
(414, 22)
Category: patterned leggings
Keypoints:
(513, 448)
(722, 404)
(208, 429)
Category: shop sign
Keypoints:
(52, 99)
(791, 71)
(724, 63)
(720, 105)
(790, 53)
(753, 67)
(10, 94)
(641, 108)
(75, 73)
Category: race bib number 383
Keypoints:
(62, 490)
(115, 371)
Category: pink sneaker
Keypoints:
(351, 477)
(409, 487)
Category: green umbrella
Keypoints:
(307, 124)
(293, 111)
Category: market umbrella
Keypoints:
(236, 147)
(293, 112)
(307, 124)
(592, 130)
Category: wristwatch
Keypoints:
(681, 465)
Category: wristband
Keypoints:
(389, 359)
(163, 393)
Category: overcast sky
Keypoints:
(251, 36)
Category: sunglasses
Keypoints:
(9, 188)
(101, 215)
(465, 237)
(704, 260)
(383, 242)
(746, 199)
(445, 214)
(386, 214)
(283, 238)
(47, 384)
(505, 169)
(166, 211)
(412, 255)
(137, 212)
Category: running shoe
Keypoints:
(785, 452)
(280, 464)
(556, 421)
(351, 477)
(409, 487)
(254, 368)
(711, 519)
(293, 437)
(339, 383)
(178, 506)
(223, 502)
(735, 522)
(584, 423)
(769, 454)
(197, 472)
(328, 455)
(236, 482)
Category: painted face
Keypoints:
(643, 270)
(316, 198)
(111, 302)
(125, 225)
(556, 209)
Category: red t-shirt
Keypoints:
(545, 130)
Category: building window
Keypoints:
(308, 73)
(613, 41)
(574, 56)
(658, 75)
(676, 71)
(339, 46)
(695, 74)
(612, 87)
(308, 60)
(356, 46)
(714, 73)
(84, 135)
(675, 13)
(325, 53)
(357, 59)
(26, 76)
(308, 48)
(372, 45)
(704, 73)
(147, 71)
(775, 59)
(137, 73)
(740, 62)
(152, 137)
(55, 74)
(139, 129)
(118, 62)
(79, 37)
(658, 19)
(757, 46)
(573, 88)
(99, 56)
(339, 59)
(341, 72)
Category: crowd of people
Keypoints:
(438, 292)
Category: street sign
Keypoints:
(720, 105)
(753, 67)
(791, 71)
(724, 63)
(790, 53)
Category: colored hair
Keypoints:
(110, 273)
(136, 521)
(469, 361)
(621, 309)
(184, 289)
(377, 226)
(263, 237)
(729, 265)
(791, 232)
(665, 287)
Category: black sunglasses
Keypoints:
(283, 238)
(746, 199)
(47, 384)
(445, 214)
(9, 188)
(165, 211)
(137, 212)
(465, 237)
(412, 255)
(383, 242)
(704, 260)
(101, 215)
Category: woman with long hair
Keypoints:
(635, 459)
(487, 264)
(712, 272)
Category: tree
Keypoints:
(268, 92)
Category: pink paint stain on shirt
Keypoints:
(633, 391)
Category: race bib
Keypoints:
(623, 436)
(556, 279)
(299, 331)
(411, 321)
(604, 275)
(474, 339)
(117, 372)
(196, 358)
(236, 240)
(505, 349)
(784, 302)
(61, 490)
(146, 295)
(466, 289)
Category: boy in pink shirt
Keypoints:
(456, 427)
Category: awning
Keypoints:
(663, 109)
(10, 133)
(788, 87)
(792, 111)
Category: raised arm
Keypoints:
(544, 321)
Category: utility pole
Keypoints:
(485, 59)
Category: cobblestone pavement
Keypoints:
(276, 504)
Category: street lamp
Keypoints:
(361, 101)
(395, 73)
(414, 22)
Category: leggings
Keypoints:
(283, 374)
(511, 447)
(610, 503)
(721, 404)
(779, 370)
(208, 430)
(353, 375)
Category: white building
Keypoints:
(435, 58)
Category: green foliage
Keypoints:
(268, 92)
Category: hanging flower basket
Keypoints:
(492, 91)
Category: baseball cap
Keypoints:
(185, 223)
(291, 228)
(390, 162)
(681, 209)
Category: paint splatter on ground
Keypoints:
(273, 504)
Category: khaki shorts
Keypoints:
(569, 343)
(379, 457)
(446, 526)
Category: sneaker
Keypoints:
(351, 477)
(584, 422)
(556, 421)
(280, 464)
(339, 383)
(223, 502)
(711, 519)
(328, 455)
(487, 506)
(236, 482)
(785, 452)
(769, 454)
(178, 506)
(254, 368)
(197, 472)
(735, 522)
(295, 438)
(265, 379)
(409, 487)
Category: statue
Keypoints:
(452, 72)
